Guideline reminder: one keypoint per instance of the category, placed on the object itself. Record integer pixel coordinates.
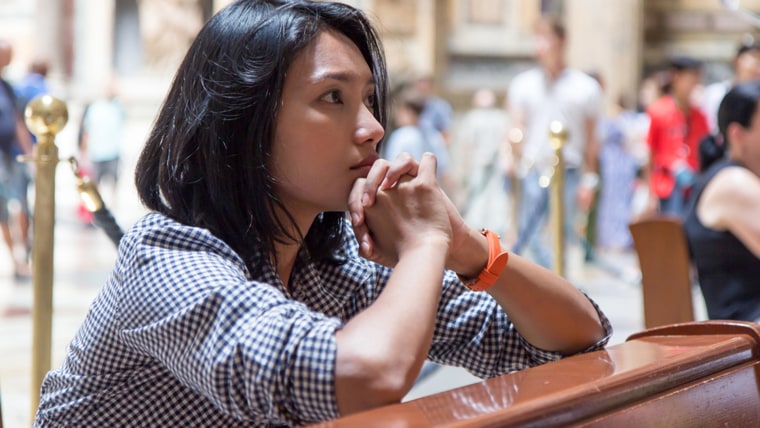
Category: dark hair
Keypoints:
(738, 106)
(681, 63)
(749, 45)
(677, 64)
(414, 101)
(207, 160)
(554, 24)
(39, 66)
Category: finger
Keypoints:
(366, 246)
(403, 165)
(355, 207)
(375, 176)
(428, 166)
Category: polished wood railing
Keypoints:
(684, 375)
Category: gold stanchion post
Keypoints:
(514, 147)
(557, 137)
(45, 116)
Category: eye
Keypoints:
(332, 97)
(370, 100)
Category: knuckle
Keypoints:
(405, 158)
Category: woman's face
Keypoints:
(326, 135)
(749, 147)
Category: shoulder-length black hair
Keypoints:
(738, 106)
(206, 162)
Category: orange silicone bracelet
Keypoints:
(497, 260)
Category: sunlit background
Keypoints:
(464, 45)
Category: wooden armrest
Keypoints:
(588, 388)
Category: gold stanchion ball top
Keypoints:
(46, 114)
(557, 130)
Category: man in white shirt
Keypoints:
(550, 92)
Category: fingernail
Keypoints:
(355, 218)
(365, 199)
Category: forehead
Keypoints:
(545, 29)
(330, 54)
(750, 53)
(688, 72)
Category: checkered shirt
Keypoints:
(182, 335)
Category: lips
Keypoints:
(366, 162)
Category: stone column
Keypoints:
(526, 13)
(608, 39)
(439, 18)
(48, 31)
(93, 44)
(218, 4)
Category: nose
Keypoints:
(368, 129)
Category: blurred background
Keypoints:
(131, 48)
(463, 44)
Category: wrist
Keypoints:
(497, 261)
(590, 180)
(471, 256)
(428, 244)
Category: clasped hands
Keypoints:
(400, 206)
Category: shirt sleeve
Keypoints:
(595, 98)
(438, 146)
(515, 98)
(653, 138)
(251, 351)
(474, 332)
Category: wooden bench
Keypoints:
(685, 375)
(663, 254)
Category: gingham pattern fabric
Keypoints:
(181, 335)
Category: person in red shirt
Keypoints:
(675, 130)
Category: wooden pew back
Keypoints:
(663, 254)
(693, 374)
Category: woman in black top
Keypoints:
(722, 225)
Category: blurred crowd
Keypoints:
(100, 131)
(622, 162)
(631, 160)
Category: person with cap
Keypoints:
(676, 127)
(746, 67)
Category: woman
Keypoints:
(243, 298)
(721, 223)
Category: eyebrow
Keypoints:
(340, 76)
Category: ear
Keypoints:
(735, 134)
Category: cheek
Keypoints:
(304, 166)
(293, 165)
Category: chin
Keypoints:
(338, 207)
(341, 208)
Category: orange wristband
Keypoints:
(497, 260)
